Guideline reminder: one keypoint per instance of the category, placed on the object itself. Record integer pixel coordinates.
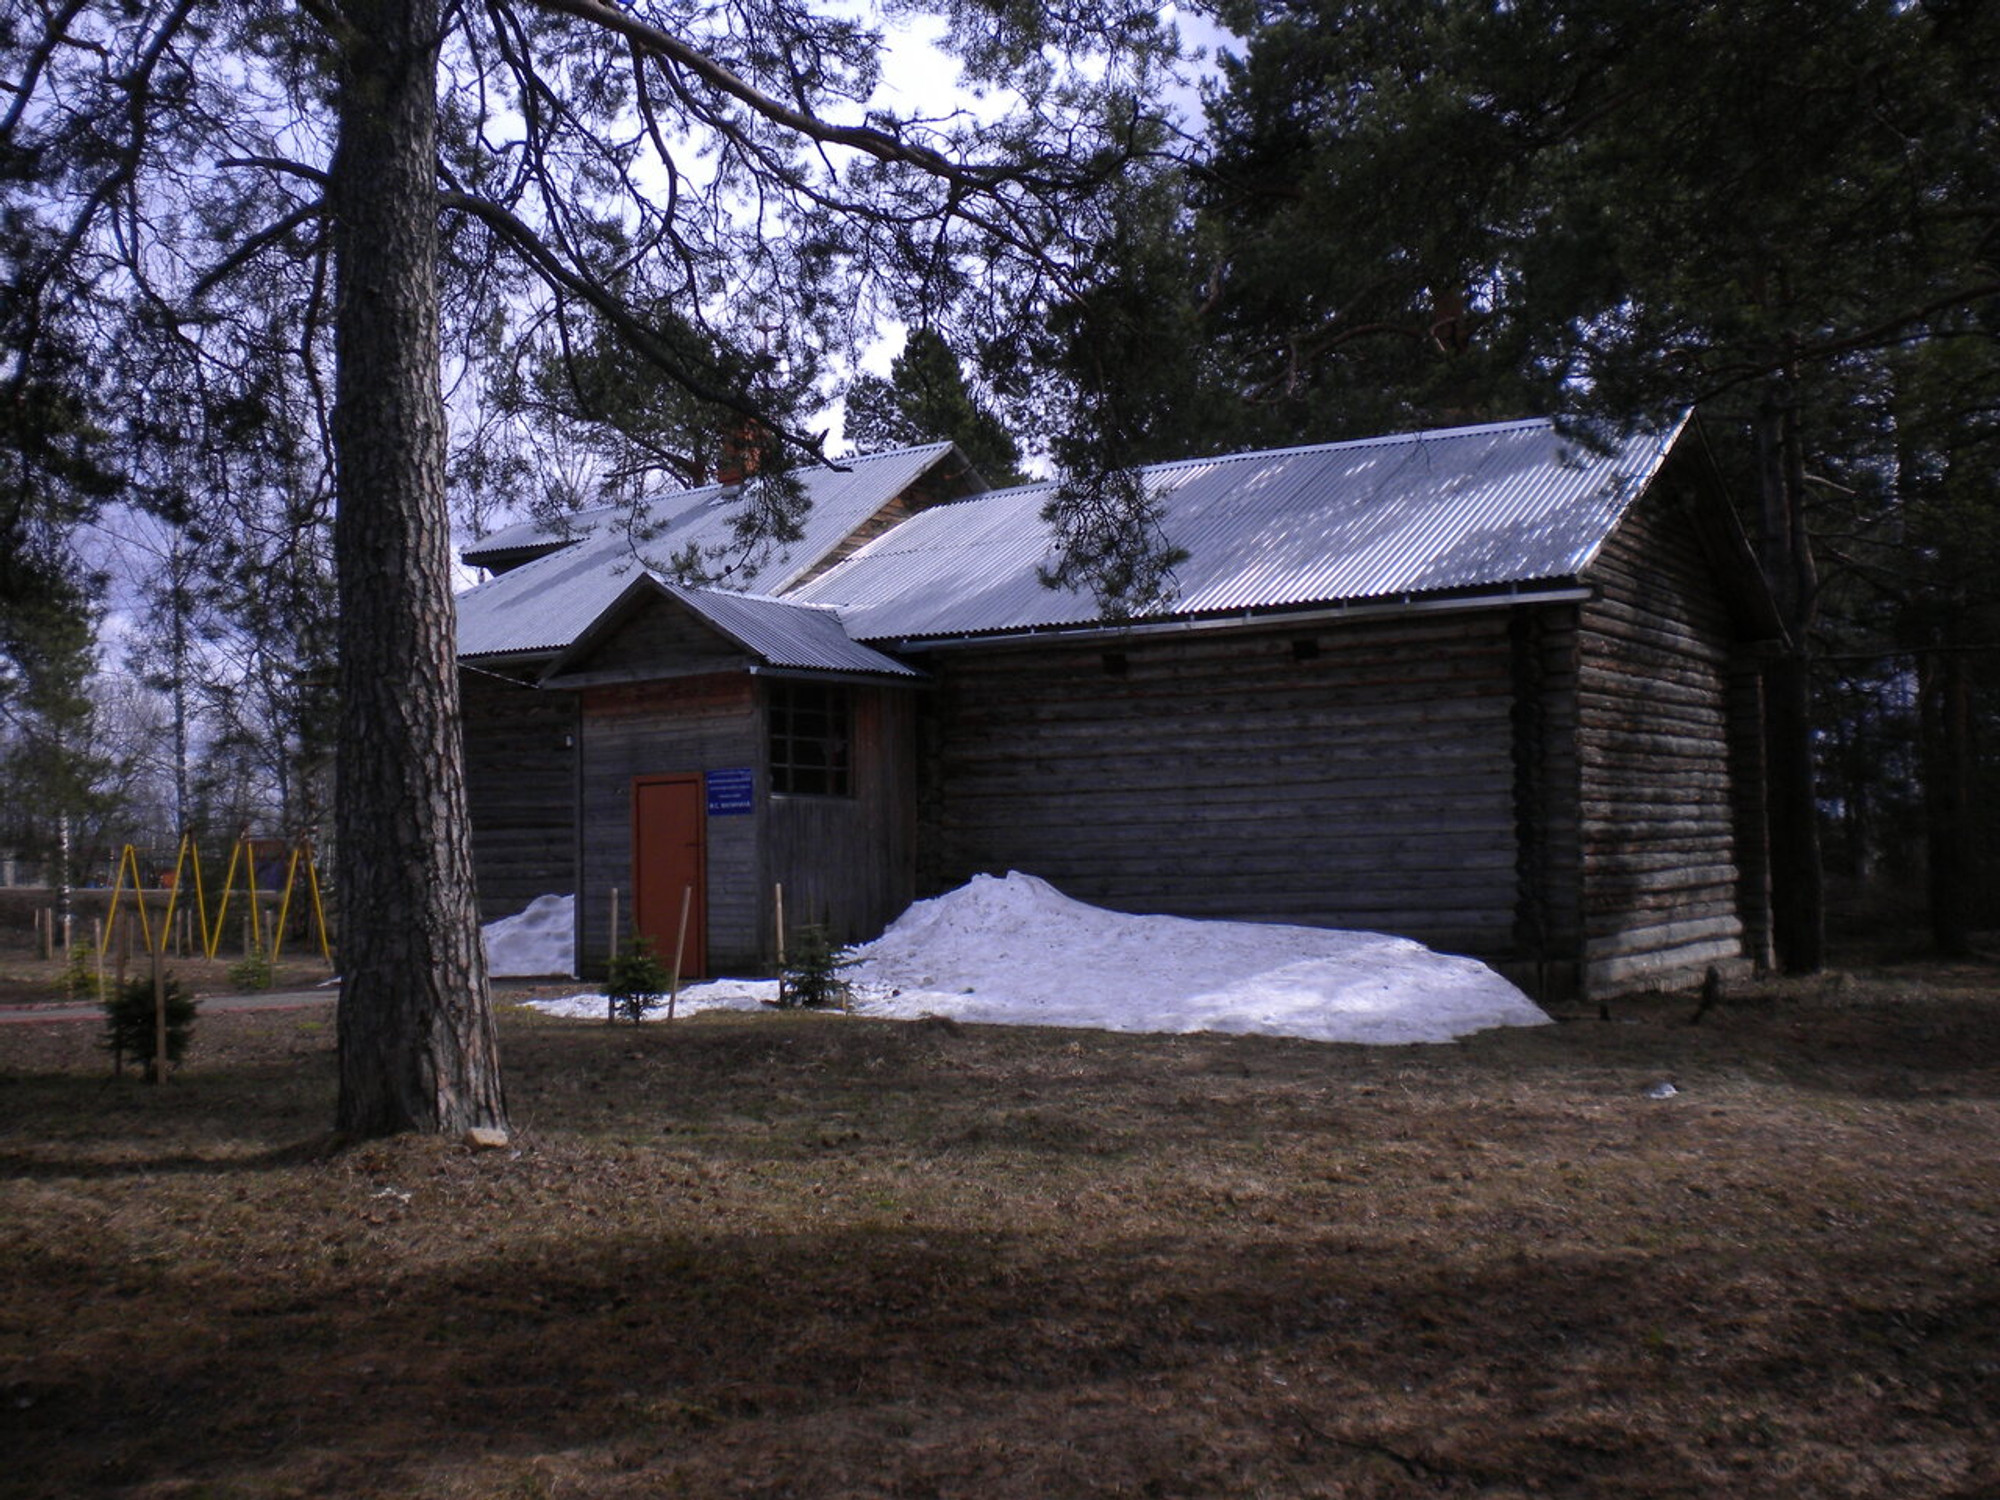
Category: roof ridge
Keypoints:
(1167, 466)
(587, 517)
(754, 597)
(1385, 440)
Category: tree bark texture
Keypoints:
(1944, 706)
(416, 1036)
(1798, 883)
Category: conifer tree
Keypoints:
(1451, 211)
(413, 177)
(925, 400)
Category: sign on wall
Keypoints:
(731, 792)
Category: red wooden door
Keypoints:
(669, 819)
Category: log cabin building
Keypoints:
(1492, 688)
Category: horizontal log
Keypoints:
(1620, 861)
(1623, 620)
(1642, 921)
(1218, 747)
(1351, 638)
(1668, 968)
(1635, 748)
(1677, 606)
(1283, 816)
(1671, 701)
(1630, 885)
(1656, 587)
(1111, 702)
(1635, 644)
(1664, 937)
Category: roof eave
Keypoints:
(909, 677)
(1535, 592)
(492, 662)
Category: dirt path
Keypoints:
(90, 1010)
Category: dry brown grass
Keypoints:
(791, 1255)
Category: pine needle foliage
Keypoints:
(812, 979)
(638, 981)
(131, 1024)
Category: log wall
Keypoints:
(1663, 893)
(1351, 774)
(520, 771)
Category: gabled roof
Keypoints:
(1470, 509)
(541, 606)
(675, 519)
(544, 605)
(777, 635)
(1460, 513)
(781, 633)
(774, 632)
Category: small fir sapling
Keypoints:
(131, 1024)
(79, 975)
(813, 977)
(253, 971)
(638, 981)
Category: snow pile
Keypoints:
(1018, 952)
(538, 940)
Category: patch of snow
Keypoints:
(1016, 951)
(538, 940)
(714, 994)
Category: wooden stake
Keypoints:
(680, 944)
(610, 1005)
(780, 888)
(159, 1019)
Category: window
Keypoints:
(809, 740)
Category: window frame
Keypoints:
(809, 738)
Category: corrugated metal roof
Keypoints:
(1428, 512)
(542, 606)
(675, 518)
(783, 634)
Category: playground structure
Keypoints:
(157, 910)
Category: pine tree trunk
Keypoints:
(1798, 883)
(1944, 706)
(416, 1035)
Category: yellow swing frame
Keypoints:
(187, 858)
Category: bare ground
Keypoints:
(826, 1257)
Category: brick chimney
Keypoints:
(742, 453)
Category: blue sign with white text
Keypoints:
(731, 792)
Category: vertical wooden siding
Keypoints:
(703, 723)
(1366, 779)
(520, 771)
(848, 860)
(1662, 892)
